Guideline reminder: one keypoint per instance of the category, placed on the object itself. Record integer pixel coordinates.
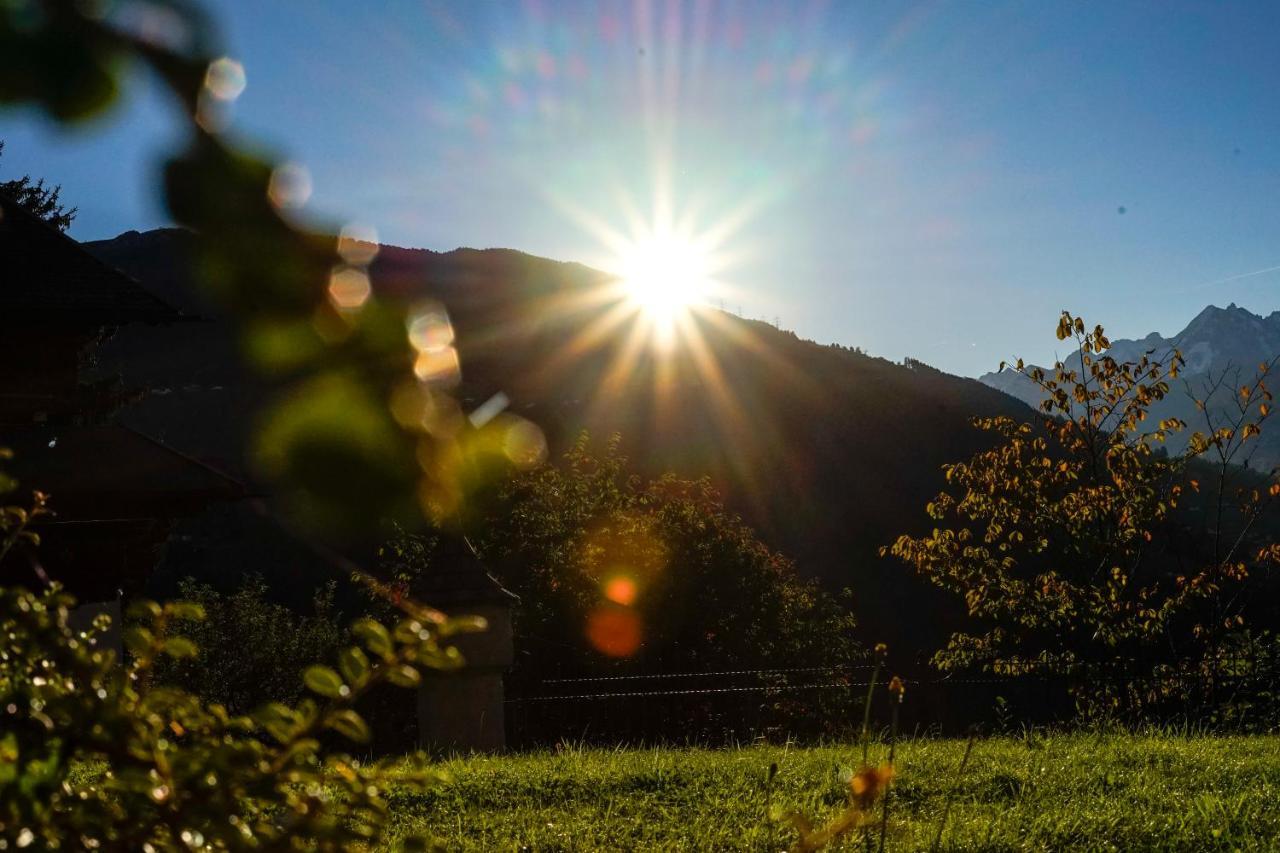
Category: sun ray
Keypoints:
(593, 336)
(736, 429)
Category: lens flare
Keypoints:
(524, 444)
(348, 288)
(614, 631)
(225, 79)
(290, 186)
(431, 334)
(429, 328)
(440, 368)
(621, 589)
(358, 244)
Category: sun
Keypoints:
(664, 276)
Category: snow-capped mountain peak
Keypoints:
(1216, 340)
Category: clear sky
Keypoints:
(926, 179)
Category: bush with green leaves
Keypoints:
(99, 753)
(251, 648)
(94, 755)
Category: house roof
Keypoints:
(457, 576)
(100, 473)
(47, 276)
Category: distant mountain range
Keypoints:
(830, 453)
(1230, 342)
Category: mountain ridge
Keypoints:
(1217, 344)
(828, 452)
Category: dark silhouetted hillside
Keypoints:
(830, 453)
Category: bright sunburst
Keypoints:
(664, 276)
(658, 318)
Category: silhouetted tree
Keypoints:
(587, 538)
(39, 199)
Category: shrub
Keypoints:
(251, 649)
(96, 756)
(97, 753)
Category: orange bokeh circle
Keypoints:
(614, 631)
(621, 589)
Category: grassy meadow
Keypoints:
(1044, 792)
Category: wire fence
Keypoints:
(706, 691)
(719, 673)
(745, 704)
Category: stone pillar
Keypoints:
(462, 711)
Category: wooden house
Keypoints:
(114, 492)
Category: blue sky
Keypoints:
(926, 179)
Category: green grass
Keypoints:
(1058, 792)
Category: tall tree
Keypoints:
(1066, 541)
(39, 199)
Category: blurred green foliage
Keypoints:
(363, 427)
